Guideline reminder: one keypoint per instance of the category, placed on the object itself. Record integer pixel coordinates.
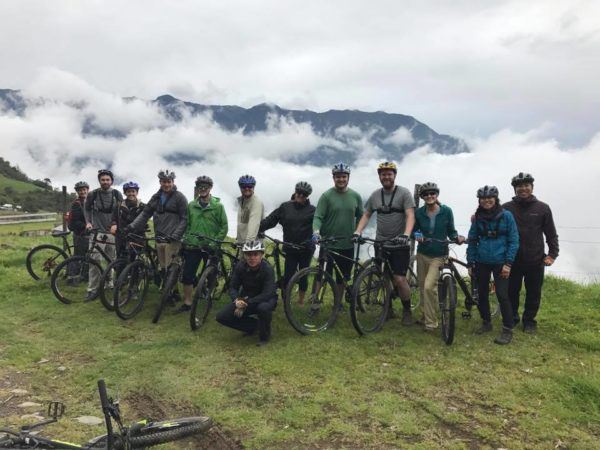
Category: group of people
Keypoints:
(505, 241)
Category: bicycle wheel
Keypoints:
(107, 282)
(69, 279)
(43, 259)
(311, 303)
(155, 433)
(226, 269)
(447, 303)
(130, 290)
(169, 285)
(413, 283)
(370, 300)
(203, 297)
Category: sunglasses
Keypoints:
(429, 194)
(303, 194)
(203, 187)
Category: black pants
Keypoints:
(247, 324)
(344, 259)
(534, 279)
(80, 248)
(294, 261)
(484, 272)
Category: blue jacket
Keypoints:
(485, 248)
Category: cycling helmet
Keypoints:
(387, 165)
(428, 186)
(522, 178)
(304, 188)
(341, 168)
(487, 191)
(105, 172)
(247, 180)
(166, 175)
(81, 184)
(130, 185)
(253, 246)
(204, 180)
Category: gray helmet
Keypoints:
(428, 186)
(341, 168)
(487, 191)
(81, 184)
(522, 178)
(166, 175)
(304, 188)
(203, 179)
(253, 246)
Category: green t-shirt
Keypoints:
(337, 214)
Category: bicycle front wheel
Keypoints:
(69, 280)
(413, 284)
(370, 300)
(311, 302)
(203, 297)
(168, 287)
(130, 290)
(43, 259)
(107, 282)
(447, 302)
(155, 433)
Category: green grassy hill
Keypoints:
(17, 185)
(400, 388)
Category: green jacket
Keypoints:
(443, 228)
(210, 221)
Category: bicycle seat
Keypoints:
(60, 233)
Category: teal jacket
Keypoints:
(210, 221)
(494, 241)
(443, 228)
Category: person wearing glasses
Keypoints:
(395, 208)
(100, 205)
(432, 221)
(493, 245)
(296, 218)
(250, 210)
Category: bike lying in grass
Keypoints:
(141, 434)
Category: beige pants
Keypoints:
(166, 252)
(428, 272)
(108, 246)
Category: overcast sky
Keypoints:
(462, 67)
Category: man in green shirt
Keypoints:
(337, 211)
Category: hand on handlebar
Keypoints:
(418, 236)
(316, 237)
(460, 240)
(402, 240)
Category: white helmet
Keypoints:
(253, 246)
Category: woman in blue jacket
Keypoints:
(493, 245)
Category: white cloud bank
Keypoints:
(47, 142)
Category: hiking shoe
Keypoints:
(530, 327)
(91, 295)
(184, 308)
(505, 336)
(407, 319)
(485, 327)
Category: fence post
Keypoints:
(64, 208)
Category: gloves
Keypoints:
(402, 240)
(316, 237)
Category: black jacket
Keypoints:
(125, 215)
(170, 218)
(534, 221)
(258, 285)
(77, 217)
(296, 220)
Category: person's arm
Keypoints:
(236, 282)
(271, 220)
(551, 238)
(188, 223)
(410, 220)
(88, 210)
(256, 212)
(512, 244)
(141, 220)
(359, 210)
(362, 223)
(182, 213)
(320, 213)
(268, 287)
(223, 225)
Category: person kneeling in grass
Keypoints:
(252, 292)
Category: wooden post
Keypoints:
(64, 208)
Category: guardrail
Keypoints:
(28, 218)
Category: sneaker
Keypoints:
(530, 327)
(485, 327)
(407, 319)
(91, 295)
(505, 336)
(183, 308)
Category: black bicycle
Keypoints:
(134, 280)
(218, 268)
(312, 301)
(141, 434)
(43, 259)
(69, 279)
(276, 253)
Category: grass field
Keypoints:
(18, 186)
(401, 388)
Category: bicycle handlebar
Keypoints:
(216, 241)
(301, 246)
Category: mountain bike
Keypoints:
(43, 259)
(68, 280)
(276, 254)
(141, 434)
(132, 284)
(218, 267)
(312, 301)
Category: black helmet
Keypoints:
(487, 191)
(304, 188)
(203, 179)
(166, 175)
(105, 172)
(81, 184)
(521, 178)
(428, 186)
